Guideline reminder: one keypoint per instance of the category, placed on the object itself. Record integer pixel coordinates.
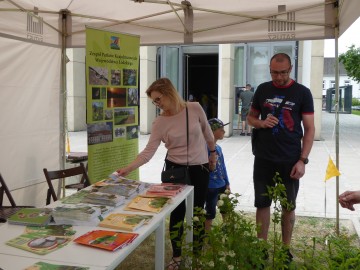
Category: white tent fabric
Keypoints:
(31, 63)
(30, 114)
(168, 22)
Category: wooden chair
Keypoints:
(60, 174)
(7, 211)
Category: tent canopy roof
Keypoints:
(177, 22)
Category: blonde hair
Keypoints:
(165, 87)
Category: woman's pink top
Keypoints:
(172, 131)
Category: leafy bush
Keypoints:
(355, 102)
(233, 244)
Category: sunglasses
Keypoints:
(157, 100)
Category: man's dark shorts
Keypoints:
(264, 171)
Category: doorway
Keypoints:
(201, 74)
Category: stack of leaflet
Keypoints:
(80, 214)
(128, 191)
(165, 189)
(101, 198)
(31, 216)
(119, 185)
(118, 179)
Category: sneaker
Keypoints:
(249, 134)
(242, 134)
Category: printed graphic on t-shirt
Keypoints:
(284, 116)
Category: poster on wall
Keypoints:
(112, 66)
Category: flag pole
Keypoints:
(337, 123)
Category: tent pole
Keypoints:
(337, 123)
(63, 98)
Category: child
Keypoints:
(219, 180)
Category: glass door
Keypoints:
(259, 55)
(168, 64)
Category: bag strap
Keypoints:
(278, 109)
(187, 136)
(187, 139)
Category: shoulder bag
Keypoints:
(179, 175)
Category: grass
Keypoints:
(355, 112)
(305, 229)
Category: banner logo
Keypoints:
(282, 30)
(35, 27)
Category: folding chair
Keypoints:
(7, 211)
(61, 174)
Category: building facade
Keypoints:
(210, 74)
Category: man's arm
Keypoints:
(298, 170)
(254, 121)
(309, 133)
(253, 118)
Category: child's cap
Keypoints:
(216, 123)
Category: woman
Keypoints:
(170, 127)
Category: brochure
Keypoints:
(49, 266)
(147, 204)
(43, 240)
(123, 221)
(165, 189)
(108, 240)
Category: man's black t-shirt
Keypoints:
(282, 143)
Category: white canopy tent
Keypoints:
(35, 33)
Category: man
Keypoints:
(245, 97)
(280, 145)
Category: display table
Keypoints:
(76, 254)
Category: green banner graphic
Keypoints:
(112, 66)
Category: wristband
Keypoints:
(213, 151)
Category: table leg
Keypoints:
(189, 216)
(160, 246)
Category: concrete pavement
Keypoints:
(316, 198)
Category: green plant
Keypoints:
(232, 244)
(355, 102)
(278, 195)
(351, 59)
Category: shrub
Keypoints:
(232, 244)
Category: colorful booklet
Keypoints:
(108, 240)
(165, 189)
(43, 239)
(31, 216)
(123, 221)
(50, 266)
(147, 204)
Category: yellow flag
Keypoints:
(331, 170)
(67, 144)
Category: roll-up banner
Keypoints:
(112, 66)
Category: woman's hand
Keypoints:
(123, 171)
(212, 161)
